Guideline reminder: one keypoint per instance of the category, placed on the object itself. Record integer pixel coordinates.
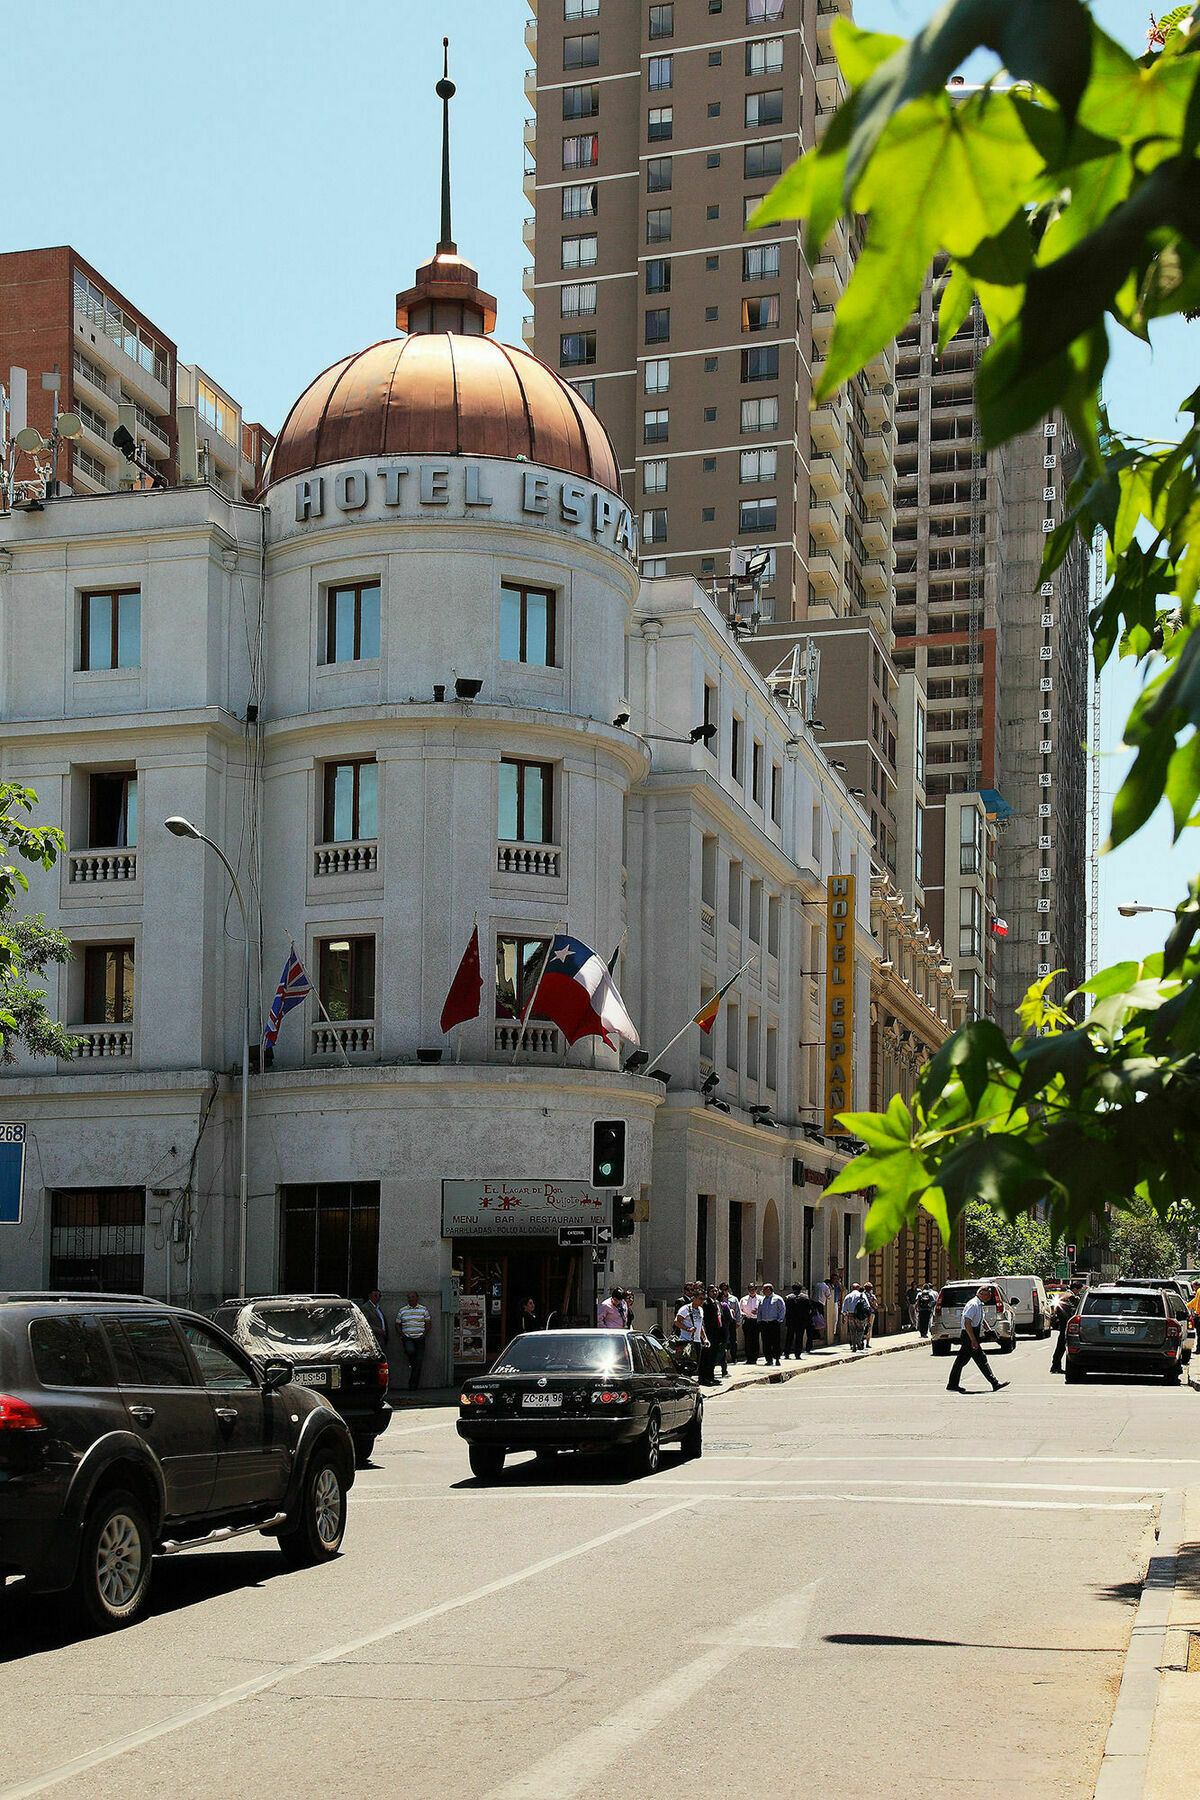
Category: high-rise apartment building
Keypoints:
(658, 130)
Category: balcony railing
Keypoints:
(708, 921)
(358, 857)
(103, 865)
(536, 1040)
(102, 1040)
(355, 1036)
(528, 859)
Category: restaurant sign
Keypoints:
(520, 1208)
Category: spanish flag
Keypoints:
(706, 1018)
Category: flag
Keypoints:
(294, 986)
(706, 1018)
(999, 927)
(464, 1000)
(577, 994)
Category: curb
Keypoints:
(773, 1377)
(1127, 1747)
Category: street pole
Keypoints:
(184, 828)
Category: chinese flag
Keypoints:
(466, 990)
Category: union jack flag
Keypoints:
(294, 986)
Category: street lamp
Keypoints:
(1132, 911)
(185, 829)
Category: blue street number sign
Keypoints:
(12, 1172)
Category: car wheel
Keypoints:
(112, 1582)
(1173, 1377)
(692, 1441)
(647, 1452)
(486, 1461)
(363, 1446)
(1073, 1374)
(317, 1535)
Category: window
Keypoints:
(329, 1237)
(756, 515)
(662, 21)
(518, 968)
(711, 313)
(919, 844)
(579, 252)
(707, 514)
(761, 364)
(110, 629)
(735, 750)
(578, 299)
(764, 56)
(658, 325)
(148, 1353)
(661, 73)
(581, 152)
(760, 262)
(585, 389)
(774, 911)
(658, 225)
(346, 977)
(763, 12)
(658, 174)
(750, 206)
(762, 159)
(714, 59)
(97, 1240)
(576, 348)
(525, 814)
(653, 568)
(658, 275)
(752, 1045)
(658, 376)
(69, 1353)
(970, 922)
(733, 1033)
(713, 159)
(712, 212)
(756, 465)
(527, 624)
(108, 984)
(350, 812)
(710, 716)
(772, 1057)
(660, 124)
(654, 477)
(766, 108)
(351, 631)
(919, 746)
(579, 202)
(710, 365)
(756, 773)
(970, 841)
(580, 102)
(112, 812)
(760, 415)
(580, 9)
(581, 52)
(708, 464)
(654, 427)
(654, 526)
(714, 109)
(219, 1366)
(735, 894)
(708, 871)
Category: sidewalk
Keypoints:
(1157, 1753)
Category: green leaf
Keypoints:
(1183, 782)
(859, 53)
(1113, 980)
(1133, 104)
(954, 306)
(967, 1054)
(1004, 1171)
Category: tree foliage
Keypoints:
(1141, 1244)
(996, 1247)
(1067, 198)
(28, 946)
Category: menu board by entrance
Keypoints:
(470, 1329)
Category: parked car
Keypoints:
(332, 1349)
(130, 1429)
(1126, 1329)
(1026, 1295)
(612, 1391)
(945, 1328)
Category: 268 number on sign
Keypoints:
(12, 1134)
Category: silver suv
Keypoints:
(999, 1324)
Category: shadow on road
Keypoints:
(573, 1468)
(883, 1640)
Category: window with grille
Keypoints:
(760, 415)
(579, 252)
(654, 427)
(765, 108)
(581, 52)
(576, 348)
(660, 124)
(756, 515)
(762, 159)
(760, 262)
(578, 299)
(580, 202)
(658, 275)
(658, 325)
(658, 225)
(756, 465)
(329, 1237)
(764, 56)
(658, 174)
(580, 102)
(654, 476)
(760, 313)
(581, 152)
(761, 364)
(657, 378)
(654, 526)
(97, 1240)
(661, 73)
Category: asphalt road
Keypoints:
(866, 1581)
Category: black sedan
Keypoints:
(331, 1347)
(581, 1390)
(1127, 1330)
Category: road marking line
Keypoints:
(990, 1487)
(246, 1690)
(924, 1456)
(930, 1500)
(574, 1766)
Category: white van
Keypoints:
(1026, 1295)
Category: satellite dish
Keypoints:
(70, 425)
(29, 438)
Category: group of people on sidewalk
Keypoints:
(773, 1326)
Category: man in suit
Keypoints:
(375, 1317)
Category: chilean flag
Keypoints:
(577, 994)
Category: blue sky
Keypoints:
(261, 180)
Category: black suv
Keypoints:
(129, 1428)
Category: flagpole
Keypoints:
(692, 1020)
(533, 997)
(316, 992)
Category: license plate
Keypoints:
(318, 1378)
(541, 1399)
(1123, 1331)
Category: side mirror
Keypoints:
(277, 1372)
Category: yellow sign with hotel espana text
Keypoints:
(839, 998)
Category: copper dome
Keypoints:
(443, 393)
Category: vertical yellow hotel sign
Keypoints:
(839, 998)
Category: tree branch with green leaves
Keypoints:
(28, 946)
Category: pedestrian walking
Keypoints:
(820, 1320)
(749, 1306)
(1065, 1308)
(833, 1304)
(854, 1311)
(689, 1326)
(610, 1314)
(926, 1301)
(868, 1289)
(772, 1312)
(799, 1316)
(714, 1331)
(413, 1322)
(970, 1349)
(910, 1304)
(375, 1316)
(731, 1308)
(529, 1320)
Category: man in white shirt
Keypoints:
(970, 1349)
(749, 1306)
(689, 1323)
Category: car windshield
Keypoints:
(326, 1325)
(565, 1353)
(1146, 1305)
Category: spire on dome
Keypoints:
(447, 295)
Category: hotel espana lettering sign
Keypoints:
(839, 998)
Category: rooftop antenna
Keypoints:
(445, 92)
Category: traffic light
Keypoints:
(623, 1211)
(1071, 1253)
(608, 1153)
